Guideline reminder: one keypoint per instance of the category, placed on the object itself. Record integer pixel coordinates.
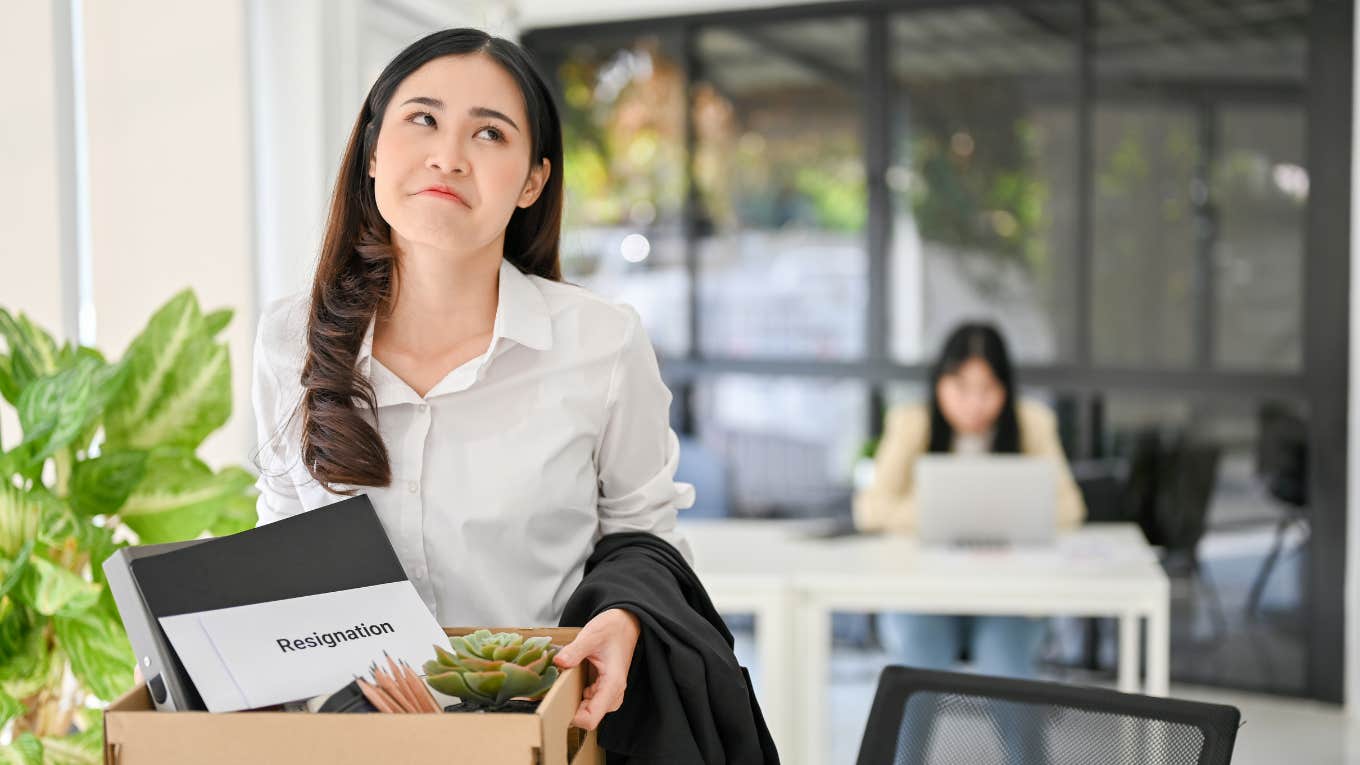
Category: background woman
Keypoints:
(973, 409)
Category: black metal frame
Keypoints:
(1217, 722)
(1322, 385)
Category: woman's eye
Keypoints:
(418, 116)
(493, 133)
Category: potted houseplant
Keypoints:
(500, 672)
(105, 457)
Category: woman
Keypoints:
(973, 409)
(499, 419)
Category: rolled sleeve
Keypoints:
(638, 451)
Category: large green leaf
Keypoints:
(16, 631)
(33, 353)
(83, 748)
(101, 485)
(29, 665)
(25, 750)
(10, 708)
(9, 387)
(12, 571)
(197, 400)
(217, 321)
(59, 522)
(100, 654)
(179, 385)
(97, 542)
(110, 380)
(58, 409)
(180, 497)
(70, 353)
(50, 589)
(20, 516)
(238, 514)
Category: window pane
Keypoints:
(1199, 187)
(983, 139)
(789, 444)
(779, 168)
(623, 112)
(1213, 482)
(1261, 193)
(1143, 235)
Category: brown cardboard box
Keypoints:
(136, 734)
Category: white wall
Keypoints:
(169, 176)
(292, 139)
(311, 64)
(31, 250)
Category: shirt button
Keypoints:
(413, 487)
(423, 408)
(420, 573)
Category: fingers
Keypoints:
(603, 696)
(585, 644)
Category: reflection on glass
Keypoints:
(623, 112)
(1218, 487)
(1199, 189)
(789, 444)
(1143, 236)
(1264, 42)
(1260, 190)
(779, 169)
(984, 175)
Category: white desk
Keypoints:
(1099, 570)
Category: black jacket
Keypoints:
(688, 700)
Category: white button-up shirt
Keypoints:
(509, 469)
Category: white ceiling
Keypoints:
(530, 14)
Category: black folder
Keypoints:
(338, 547)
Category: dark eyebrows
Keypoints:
(482, 111)
(476, 111)
(433, 103)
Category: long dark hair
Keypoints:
(975, 341)
(355, 277)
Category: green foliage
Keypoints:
(486, 670)
(69, 499)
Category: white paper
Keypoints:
(236, 660)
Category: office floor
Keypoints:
(1275, 729)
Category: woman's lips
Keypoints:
(442, 194)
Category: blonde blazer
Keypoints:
(889, 502)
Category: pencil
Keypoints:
(411, 701)
(389, 685)
(404, 680)
(374, 695)
(422, 692)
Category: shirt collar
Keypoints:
(521, 315)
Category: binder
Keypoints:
(335, 547)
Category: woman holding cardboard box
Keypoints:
(501, 420)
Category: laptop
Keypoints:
(986, 500)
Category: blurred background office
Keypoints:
(1150, 198)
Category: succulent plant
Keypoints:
(487, 671)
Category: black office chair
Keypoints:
(922, 717)
(1282, 465)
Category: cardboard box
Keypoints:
(136, 734)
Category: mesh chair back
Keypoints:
(922, 717)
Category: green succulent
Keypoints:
(486, 670)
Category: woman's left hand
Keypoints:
(607, 641)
